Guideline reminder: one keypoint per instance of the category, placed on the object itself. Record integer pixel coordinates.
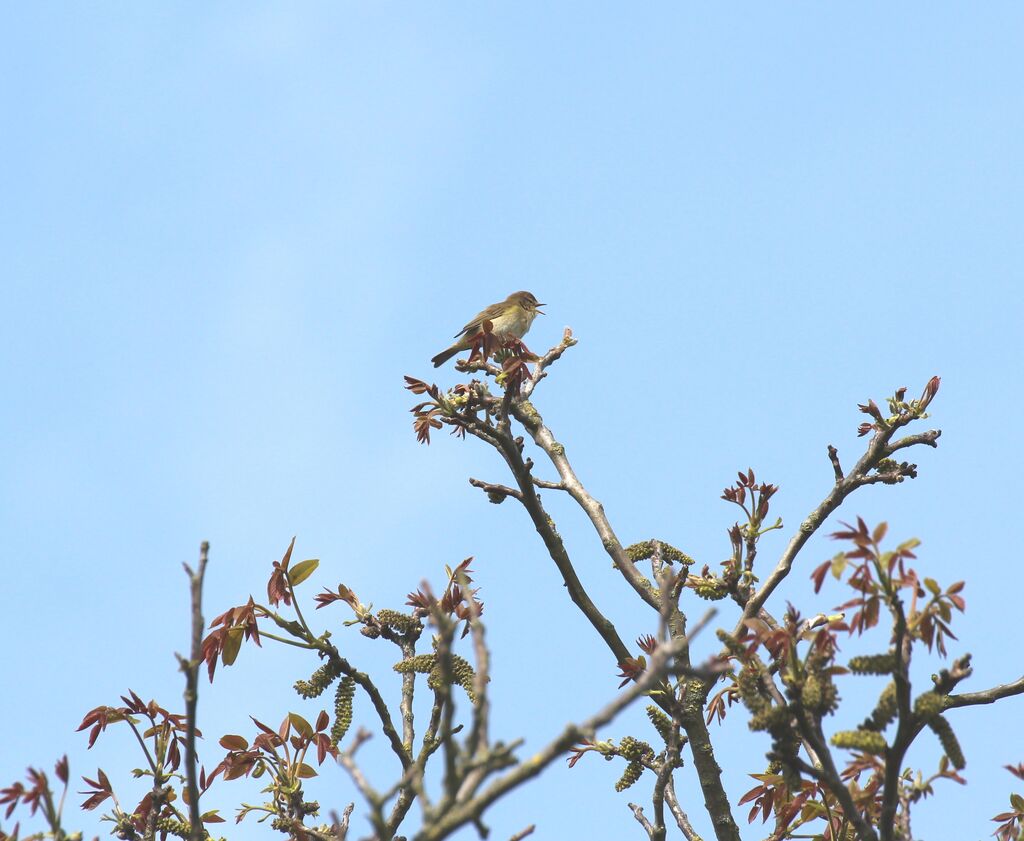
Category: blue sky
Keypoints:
(229, 231)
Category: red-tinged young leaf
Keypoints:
(301, 571)
(306, 771)
(94, 800)
(871, 612)
(61, 769)
(419, 599)
(277, 587)
(631, 669)
(267, 742)
(285, 728)
(416, 386)
(322, 721)
(879, 533)
(262, 726)
(576, 751)
(343, 594)
(819, 573)
(231, 742)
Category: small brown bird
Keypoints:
(511, 319)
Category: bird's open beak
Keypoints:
(539, 310)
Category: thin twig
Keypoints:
(833, 455)
(191, 669)
(496, 493)
(638, 813)
(986, 696)
(519, 836)
(682, 820)
(341, 823)
(347, 760)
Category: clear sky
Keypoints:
(228, 230)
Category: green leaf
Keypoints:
(933, 586)
(301, 571)
(305, 771)
(838, 565)
(232, 644)
(1017, 802)
(230, 742)
(303, 727)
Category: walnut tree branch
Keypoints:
(985, 696)
(191, 669)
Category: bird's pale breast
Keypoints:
(514, 323)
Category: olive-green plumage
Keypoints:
(510, 319)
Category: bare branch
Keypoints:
(986, 696)
(191, 669)
(519, 836)
(833, 455)
(341, 823)
(682, 820)
(552, 540)
(551, 486)
(929, 439)
(638, 813)
(347, 760)
(540, 371)
(530, 418)
(496, 493)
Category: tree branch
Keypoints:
(191, 669)
(527, 414)
(552, 540)
(986, 696)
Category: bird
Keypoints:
(510, 319)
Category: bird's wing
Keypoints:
(489, 314)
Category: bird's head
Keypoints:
(527, 301)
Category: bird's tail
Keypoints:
(445, 355)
